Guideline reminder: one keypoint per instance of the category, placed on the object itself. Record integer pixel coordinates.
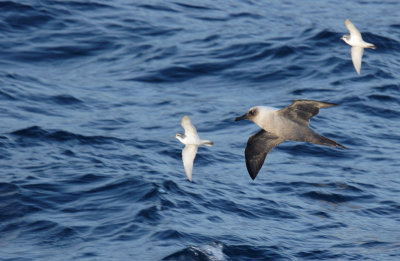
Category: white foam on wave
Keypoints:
(213, 251)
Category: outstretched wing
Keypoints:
(257, 149)
(356, 57)
(301, 111)
(188, 155)
(354, 33)
(188, 126)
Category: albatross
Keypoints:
(290, 123)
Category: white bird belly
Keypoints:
(192, 140)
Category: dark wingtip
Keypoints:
(341, 146)
(321, 104)
(330, 104)
(252, 172)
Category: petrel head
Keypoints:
(180, 136)
(346, 38)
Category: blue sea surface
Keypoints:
(91, 96)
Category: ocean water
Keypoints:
(91, 96)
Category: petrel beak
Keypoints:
(243, 117)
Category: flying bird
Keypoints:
(192, 141)
(357, 44)
(290, 123)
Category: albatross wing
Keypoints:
(301, 111)
(257, 149)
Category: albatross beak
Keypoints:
(243, 117)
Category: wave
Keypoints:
(209, 252)
(37, 133)
(217, 251)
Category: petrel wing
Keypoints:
(188, 155)
(188, 126)
(354, 33)
(356, 57)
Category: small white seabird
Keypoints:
(290, 123)
(357, 44)
(192, 141)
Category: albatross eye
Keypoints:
(252, 112)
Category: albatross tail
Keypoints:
(319, 139)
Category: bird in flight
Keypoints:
(290, 123)
(192, 141)
(357, 44)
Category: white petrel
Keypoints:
(290, 123)
(192, 141)
(357, 44)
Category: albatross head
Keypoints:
(250, 115)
